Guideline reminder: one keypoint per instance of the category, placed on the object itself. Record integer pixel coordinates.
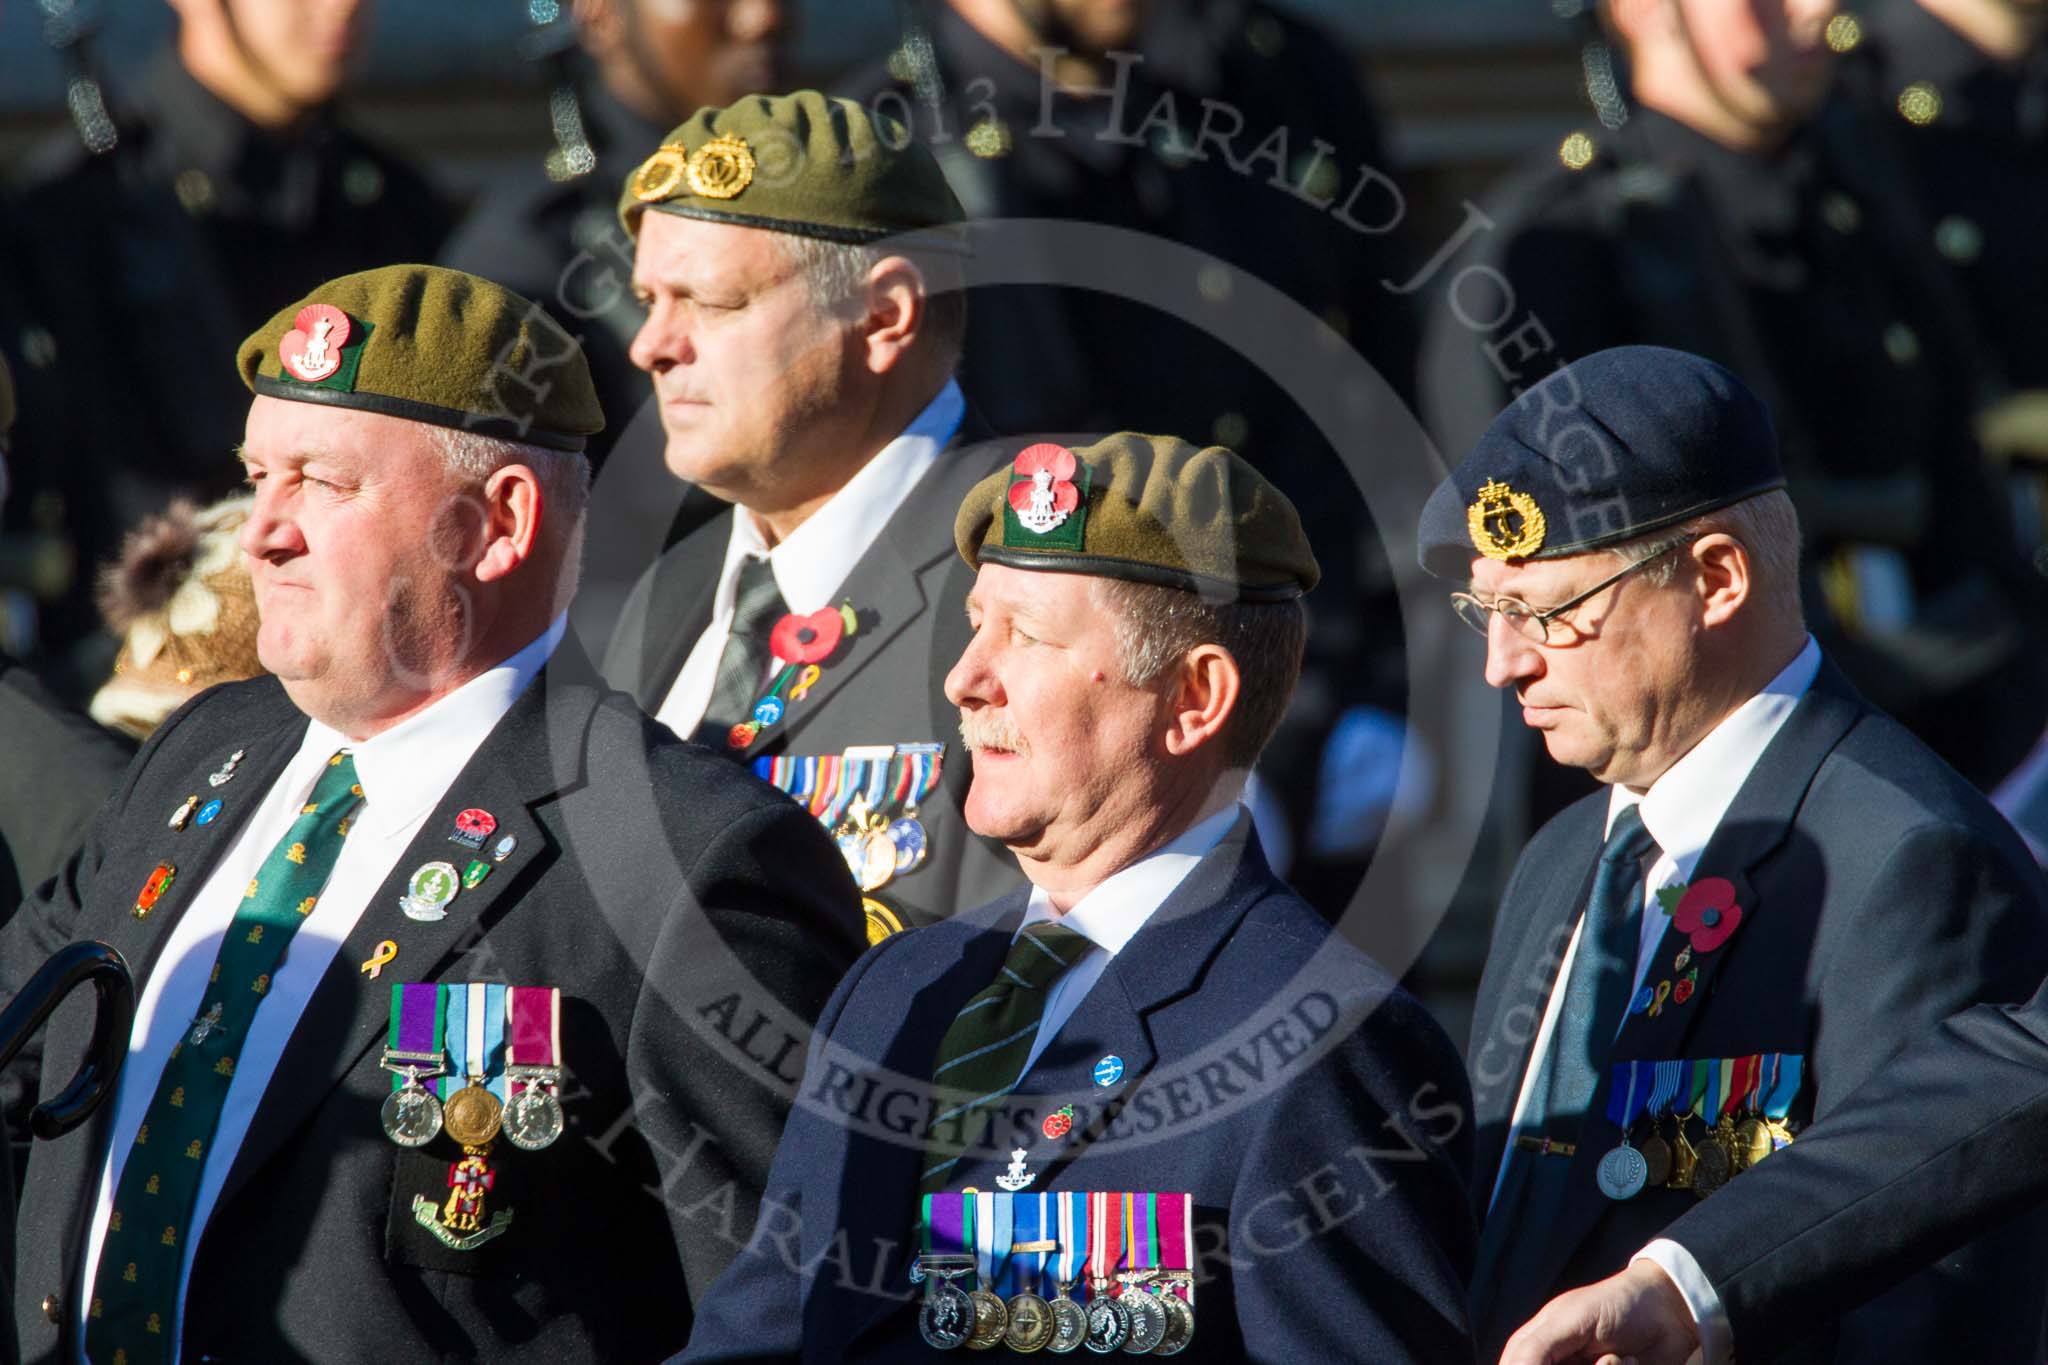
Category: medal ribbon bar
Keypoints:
(1105, 1241)
(536, 1034)
(1622, 1089)
(1073, 1235)
(992, 1226)
(416, 1021)
(1176, 1244)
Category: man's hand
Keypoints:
(1635, 1318)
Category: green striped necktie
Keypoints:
(135, 1291)
(982, 1056)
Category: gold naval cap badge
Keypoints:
(1504, 523)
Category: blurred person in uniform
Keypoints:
(180, 601)
(231, 181)
(1776, 888)
(1230, 127)
(334, 1105)
(1739, 213)
(798, 259)
(1963, 85)
(59, 765)
(551, 230)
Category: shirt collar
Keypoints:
(812, 562)
(1684, 806)
(406, 770)
(1112, 914)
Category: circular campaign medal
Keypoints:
(1069, 1319)
(411, 1114)
(991, 1258)
(946, 1318)
(1030, 1315)
(1176, 1279)
(472, 1114)
(533, 1048)
(1148, 1321)
(1623, 1172)
(1109, 1321)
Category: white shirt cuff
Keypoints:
(1716, 1340)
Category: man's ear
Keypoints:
(895, 312)
(1204, 698)
(1726, 578)
(512, 507)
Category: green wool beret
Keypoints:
(807, 163)
(1150, 509)
(429, 345)
(6, 397)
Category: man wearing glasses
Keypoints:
(1778, 888)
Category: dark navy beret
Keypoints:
(1611, 447)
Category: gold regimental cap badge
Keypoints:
(721, 168)
(659, 174)
(1505, 524)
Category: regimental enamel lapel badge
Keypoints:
(1505, 524)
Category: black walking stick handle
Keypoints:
(71, 967)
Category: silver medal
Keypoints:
(533, 1120)
(412, 1116)
(947, 1318)
(1109, 1324)
(1148, 1322)
(1623, 1173)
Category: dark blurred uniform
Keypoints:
(557, 241)
(148, 263)
(1804, 272)
(1289, 105)
(1974, 132)
(551, 231)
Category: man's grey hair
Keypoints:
(1768, 528)
(838, 271)
(471, 457)
(1266, 639)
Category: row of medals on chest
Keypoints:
(1148, 1318)
(413, 1115)
(1647, 1159)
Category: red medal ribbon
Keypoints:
(536, 1015)
(1105, 1236)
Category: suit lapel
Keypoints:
(1756, 823)
(349, 1013)
(195, 850)
(1163, 962)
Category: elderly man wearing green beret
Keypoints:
(799, 259)
(1152, 1103)
(440, 974)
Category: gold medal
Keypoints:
(1752, 1142)
(991, 1321)
(471, 1115)
(1713, 1168)
(1684, 1158)
(1031, 1325)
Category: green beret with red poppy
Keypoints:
(1148, 509)
(429, 345)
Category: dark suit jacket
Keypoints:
(1940, 1146)
(59, 767)
(1880, 893)
(669, 896)
(910, 590)
(1315, 1112)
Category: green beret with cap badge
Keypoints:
(811, 164)
(1147, 509)
(429, 345)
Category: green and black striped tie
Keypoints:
(982, 1056)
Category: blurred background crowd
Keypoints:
(1847, 205)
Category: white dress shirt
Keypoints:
(404, 773)
(1112, 914)
(812, 563)
(1681, 811)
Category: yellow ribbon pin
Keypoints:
(386, 951)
